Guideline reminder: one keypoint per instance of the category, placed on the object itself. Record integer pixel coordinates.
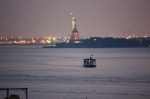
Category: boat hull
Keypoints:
(89, 65)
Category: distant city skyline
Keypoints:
(97, 18)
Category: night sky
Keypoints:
(101, 18)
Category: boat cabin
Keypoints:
(89, 62)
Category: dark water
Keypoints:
(122, 73)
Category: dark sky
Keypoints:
(102, 18)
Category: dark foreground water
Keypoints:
(122, 73)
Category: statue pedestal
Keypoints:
(74, 37)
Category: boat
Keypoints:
(89, 62)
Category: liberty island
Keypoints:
(98, 42)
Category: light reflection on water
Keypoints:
(58, 73)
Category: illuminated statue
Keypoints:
(74, 23)
(74, 34)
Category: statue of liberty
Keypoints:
(74, 23)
